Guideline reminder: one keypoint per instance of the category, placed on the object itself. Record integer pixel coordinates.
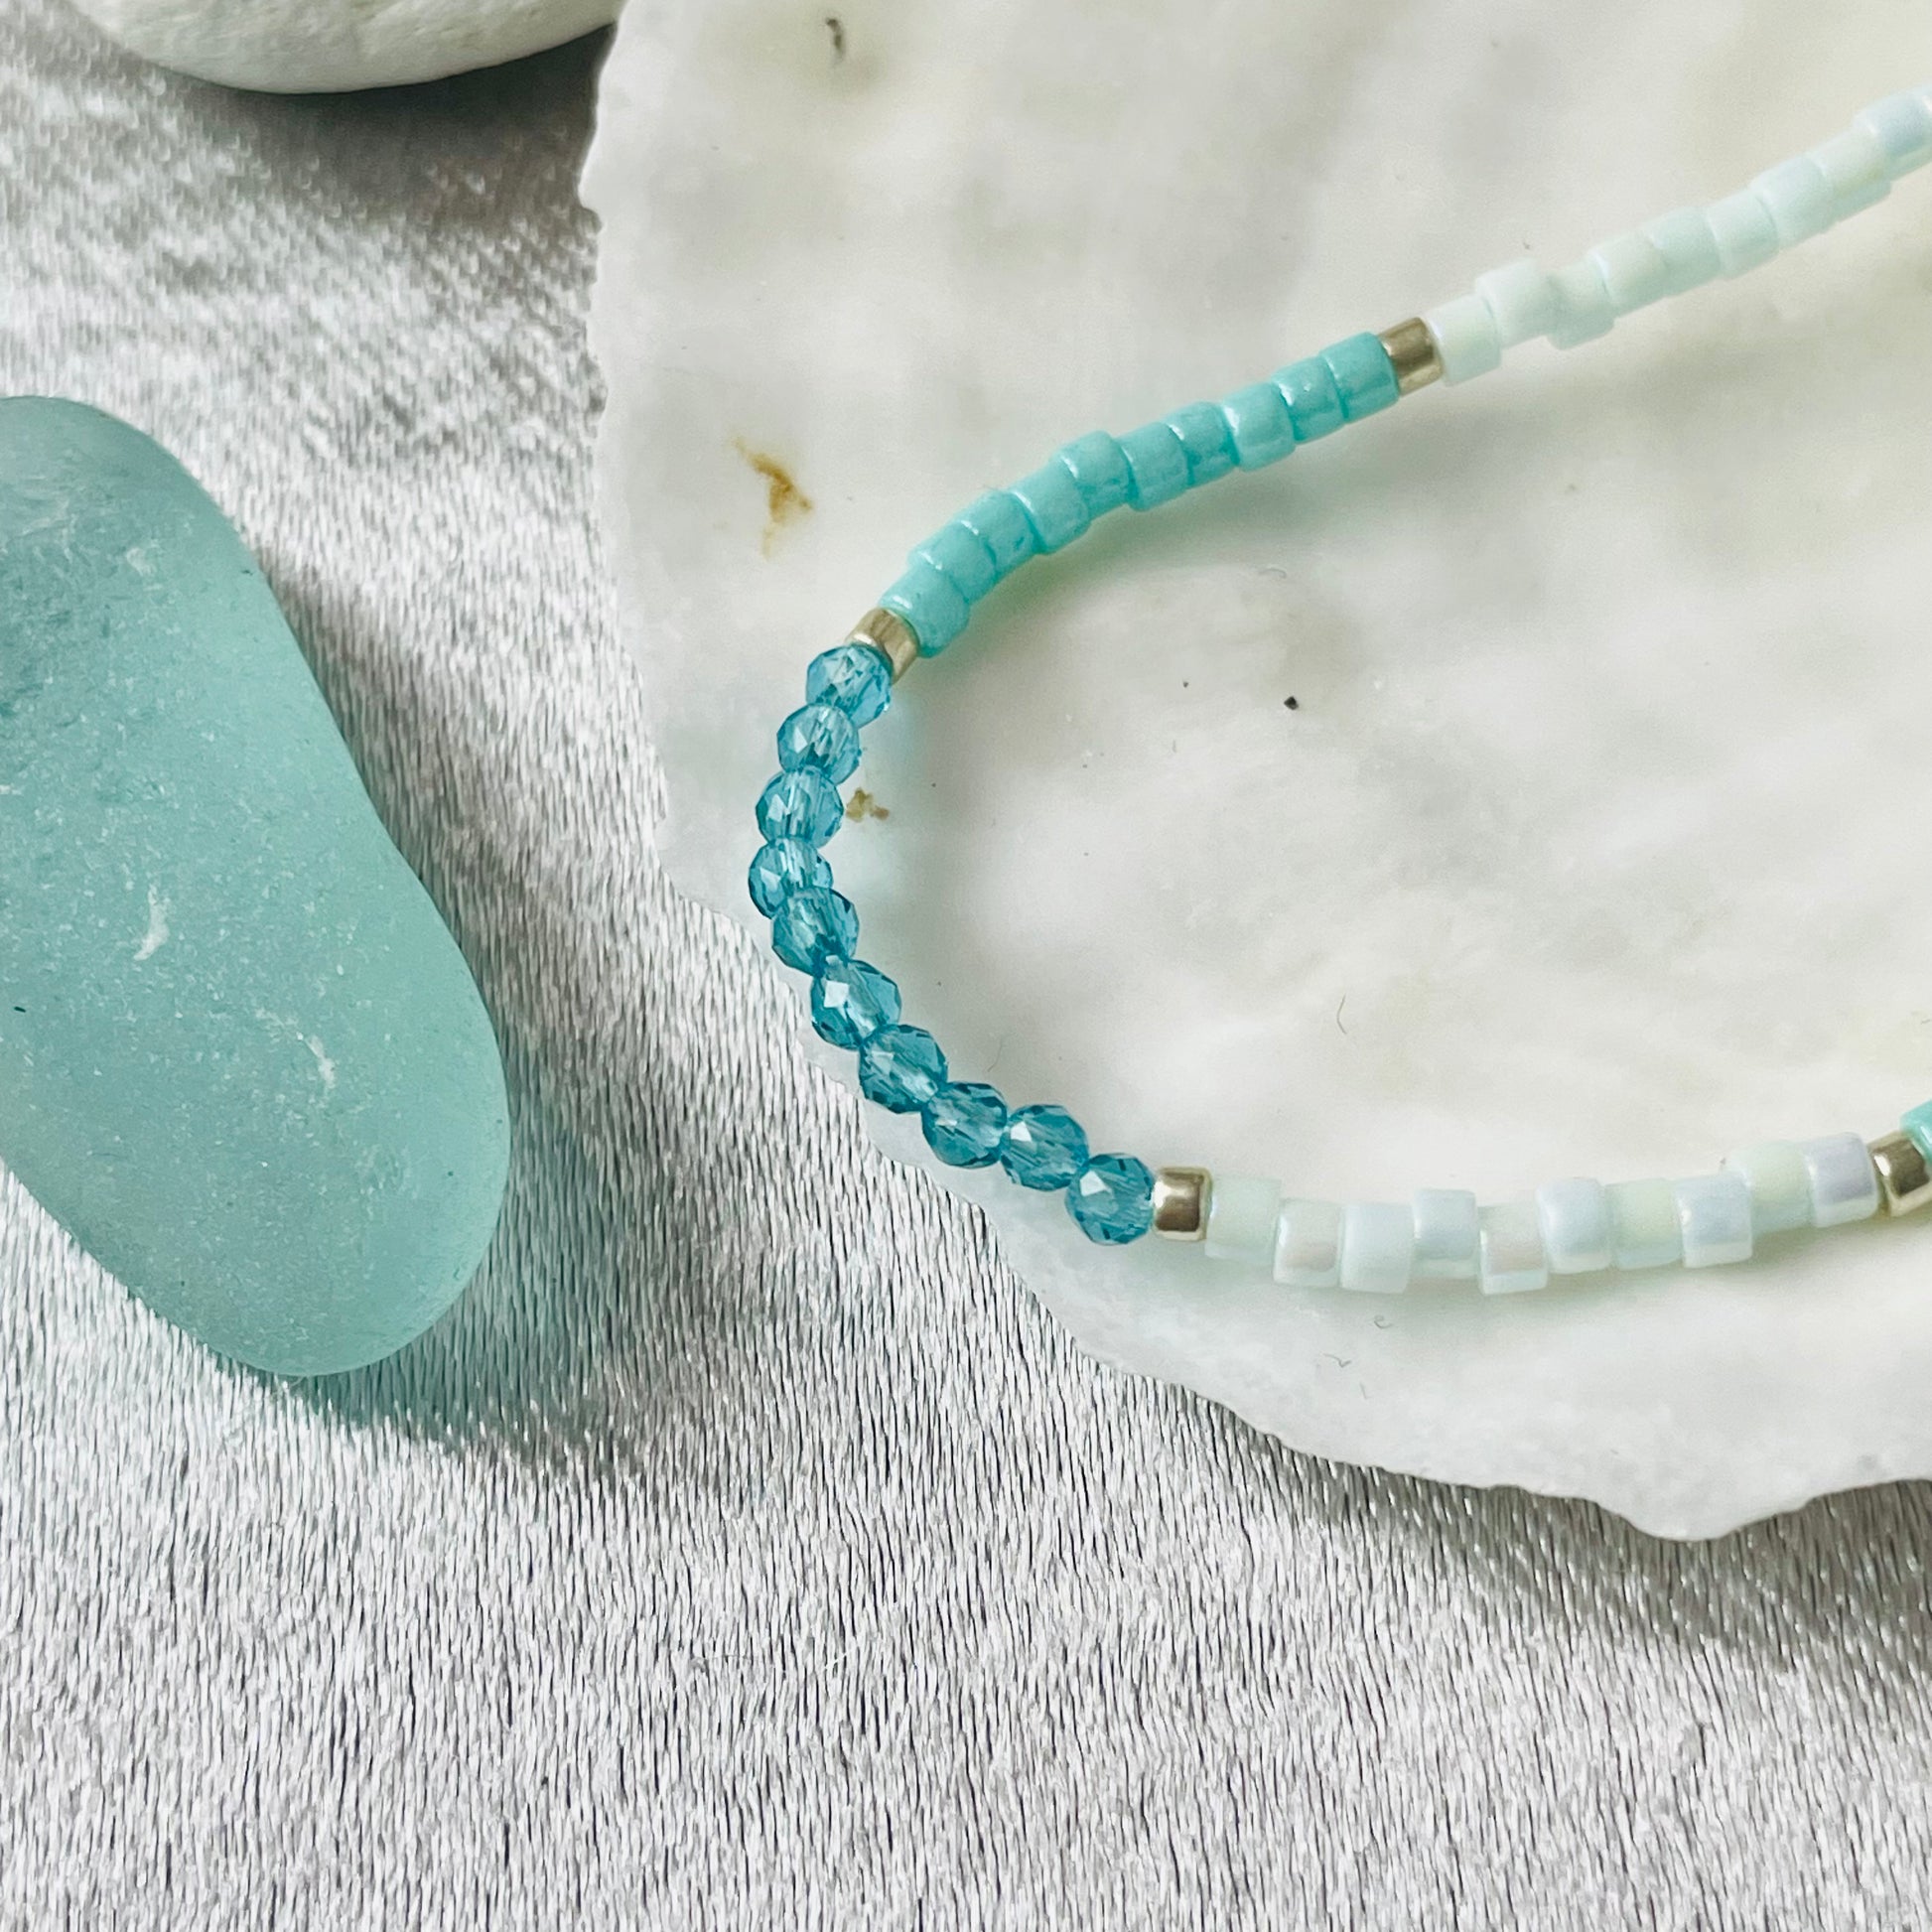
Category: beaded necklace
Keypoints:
(1574, 1226)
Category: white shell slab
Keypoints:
(1592, 842)
(323, 46)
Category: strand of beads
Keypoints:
(1571, 1227)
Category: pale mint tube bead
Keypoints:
(1465, 338)
(1902, 126)
(1307, 1244)
(1856, 165)
(1799, 198)
(1633, 273)
(1745, 233)
(1844, 1182)
(1521, 299)
(1585, 308)
(1714, 1215)
(1689, 249)
(1241, 1218)
(1643, 1215)
(1575, 1219)
(1378, 1246)
(1513, 1258)
(1448, 1234)
(1779, 1183)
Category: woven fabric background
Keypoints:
(747, 1550)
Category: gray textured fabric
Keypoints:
(747, 1550)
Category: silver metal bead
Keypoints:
(1412, 349)
(1180, 1197)
(886, 630)
(1904, 1177)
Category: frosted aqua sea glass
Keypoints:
(241, 1060)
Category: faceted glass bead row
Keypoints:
(1045, 512)
(855, 1006)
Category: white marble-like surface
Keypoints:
(1591, 845)
(329, 46)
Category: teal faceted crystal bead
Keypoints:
(1044, 1147)
(781, 867)
(856, 678)
(800, 805)
(240, 1058)
(851, 1001)
(819, 737)
(813, 925)
(964, 1123)
(1111, 1200)
(902, 1068)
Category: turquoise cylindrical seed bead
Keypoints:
(819, 737)
(1261, 430)
(1203, 434)
(800, 805)
(858, 678)
(813, 925)
(851, 1001)
(1053, 505)
(963, 1124)
(1918, 1125)
(930, 603)
(1364, 376)
(1111, 1200)
(1156, 466)
(902, 1068)
(1098, 466)
(1044, 1147)
(961, 557)
(1314, 401)
(780, 868)
(1001, 524)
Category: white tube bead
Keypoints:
(1513, 1258)
(1465, 338)
(1745, 233)
(1520, 300)
(1844, 1182)
(1778, 1182)
(1648, 1233)
(1633, 272)
(1307, 1244)
(1585, 308)
(1714, 1215)
(1689, 249)
(1855, 163)
(1902, 126)
(1378, 1246)
(1447, 1237)
(1799, 198)
(1575, 1219)
(1241, 1217)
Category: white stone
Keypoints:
(297, 47)
(1562, 863)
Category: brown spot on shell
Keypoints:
(784, 501)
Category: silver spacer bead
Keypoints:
(1180, 1197)
(1905, 1179)
(886, 630)
(1412, 349)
